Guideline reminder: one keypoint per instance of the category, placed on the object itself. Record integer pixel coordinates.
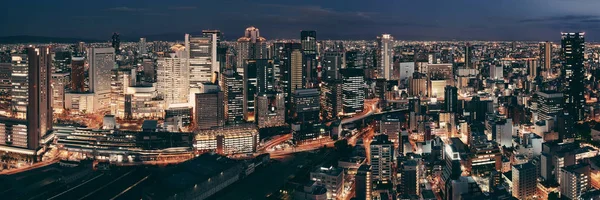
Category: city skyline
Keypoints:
(405, 20)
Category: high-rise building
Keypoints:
(209, 111)
(363, 182)
(250, 46)
(353, 90)
(234, 97)
(332, 64)
(309, 57)
(77, 74)
(202, 57)
(265, 75)
(546, 56)
(385, 52)
(391, 125)
(5, 87)
(409, 178)
(270, 110)
(173, 77)
(331, 99)
(309, 42)
(102, 61)
(468, 54)
(116, 43)
(382, 158)
(549, 105)
(451, 99)
(575, 180)
(31, 121)
(573, 72)
(524, 179)
(59, 83)
(251, 87)
(142, 46)
(306, 105)
(333, 180)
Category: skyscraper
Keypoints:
(546, 56)
(524, 179)
(451, 99)
(573, 49)
(142, 46)
(77, 74)
(382, 158)
(102, 61)
(309, 57)
(353, 90)
(270, 109)
(265, 75)
(116, 43)
(574, 180)
(385, 52)
(549, 105)
(251, 87)
(202, 57)
(233, 95)
(468, 49)
(31, 103)
(309, 42)
(250, 46)
(307, 105)
(409, 178)
(209, 111)
(173, 77)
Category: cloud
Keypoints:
(183, 8)
(127, 9)
(564, 18)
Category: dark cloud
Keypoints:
(183, 8)
(127, 9)
(565, 18)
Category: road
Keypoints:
(30, 167)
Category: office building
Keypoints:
(173, 77)
(202, 57)
(251, 87)
(573, 72)
(306, 105)
(77, 74)
(353, 91)
(59, 83)
(233, 94)
(142, 46)
(385, 56)
(308, 40)
(143, 102)
(468, 56)
(549, 105)
(228, 139)
(331, 99)
(391, 125)
(249, 47)
(332, 64)
(524, 181)
(364, 181)
(116, 44)
(270, 110)
(5, 87)
(546, 56)
(575, 180)
(409, 180)
(288, 56)
(27, 130)
(209, 111)
(332, 178)
(102, 61)
(382, 159)
(149, 70)
(265, 73)
(451, 99)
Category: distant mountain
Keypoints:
(42, 39)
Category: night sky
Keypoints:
(332, 19)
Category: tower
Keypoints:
(573, 49)
(385, 60)
(250, 46)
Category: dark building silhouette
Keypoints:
(78, 74)
(573, 49)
